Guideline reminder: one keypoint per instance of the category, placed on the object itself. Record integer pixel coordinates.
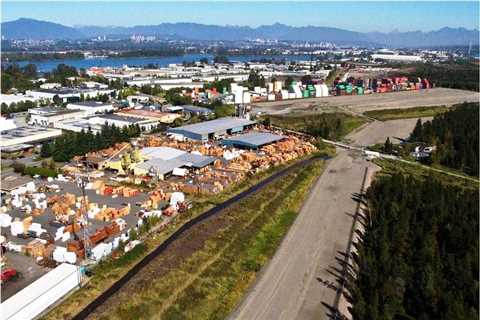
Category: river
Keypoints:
(48, 65)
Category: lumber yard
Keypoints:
(98, 206)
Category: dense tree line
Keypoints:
(27, 56)
(255, 79)
(448, 75)
(174, 97)
(72, 144)
(61, 73)
(20, 78)
(455, 134)
(163, 52)
(21, 106)
(418, 256)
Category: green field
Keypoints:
(416, 112)
(211, 281)
(326, 125)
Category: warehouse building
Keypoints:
(118, 120)
(91, 107)
(252, 140)
(163, 117)
(27, 134)
(164, 161)
(212, 129)
(49, 116)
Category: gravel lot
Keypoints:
(404, 99)
(378, 131)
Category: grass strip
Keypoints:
(406, 113)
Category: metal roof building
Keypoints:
(163, 160)
(252, 140)
(210, 129)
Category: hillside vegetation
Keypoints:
(418, 258)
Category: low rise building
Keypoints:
(163, 117)
(252, 140)
(163, 161)
(49, 116)
(28, 134)
(120, 121)
(91, 107)
(212, 129)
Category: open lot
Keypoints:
(378, 131)
(403, 99)
(28, 273)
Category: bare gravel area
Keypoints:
(378, 131)
(392, 100)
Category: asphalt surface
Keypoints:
(300, 280)
(28, 270)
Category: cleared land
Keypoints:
(204, 273)
(392, 100)
(378, 131)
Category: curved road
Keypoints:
(294, 285)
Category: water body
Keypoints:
(48, 65)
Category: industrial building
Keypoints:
(49, 116)
(197, 111)
(28, 134)
(118, 120)
(163, 161)
(212, 129)
(252, 140)
(163, 117)
(91, 107)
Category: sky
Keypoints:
(383, 16)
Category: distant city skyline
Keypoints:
(356, 16)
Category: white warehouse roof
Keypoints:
(216, 125)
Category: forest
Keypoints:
(459, 75)
(418, 256)
(455, 134)
(72, 144)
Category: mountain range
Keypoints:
(24, 28)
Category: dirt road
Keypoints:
(404, 99)
(294, 285)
